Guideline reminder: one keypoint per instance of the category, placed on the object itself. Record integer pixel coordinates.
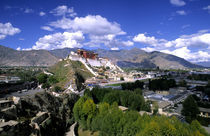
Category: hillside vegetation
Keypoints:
(65, 71)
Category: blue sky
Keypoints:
(178, 27)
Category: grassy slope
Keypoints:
(64, 71)
(87, 133)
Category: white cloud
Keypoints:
(187, 54)
(28, 10)
(195, 40)
(42, 13)
(63, 11)
(98, 30)
(47, 28)
(145, 39)
(142, 38)
(7, 29)
(127, 43)
(177, 2)
(115, 48)
(109, 41)
(192, 40)
(148, 49)
(181, 12)
(60, 40)
(195, 47)
(95, 25)
(207, 8)
(18, 48)
(183, 52)
(101, 38)
(2, 36)
(186, 26)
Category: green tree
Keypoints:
(52, 80)
(152, 129)
(147, 106)
(112, 97)
(155, 108)
(42, 78)
(138, 91)
(111, 120)
(197, 128)
(46, 85)
(190, 109)
(57, 89)
(88, 111)
(103, 110)
(78, 108)
(79, 81)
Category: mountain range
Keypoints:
(11, 57)
(124, 58)
(138, 58)
(204, 63)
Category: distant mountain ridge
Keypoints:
(62, 53)
(138, 58)
(135, 58)
(11, 57)
(205, 63)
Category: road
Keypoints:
(71, 130)
(119, 82)
(29, 92)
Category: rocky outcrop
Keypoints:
(40, 115)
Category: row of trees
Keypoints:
(133, 100)
(132, 86)
(109, 120)
(202, 77)
(161, 84)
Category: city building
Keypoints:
(9, 79)
(162, 106)
(177, 90)
(204, 112)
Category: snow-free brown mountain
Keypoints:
(138, 58)
(11, 57)
(133, 58)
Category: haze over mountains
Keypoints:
(124, 58)
(205, 64)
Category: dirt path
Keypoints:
(71, 130)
